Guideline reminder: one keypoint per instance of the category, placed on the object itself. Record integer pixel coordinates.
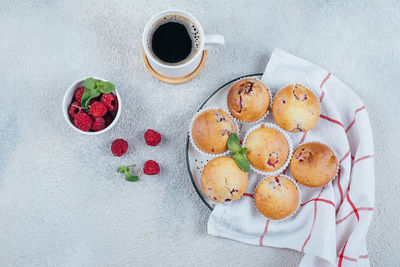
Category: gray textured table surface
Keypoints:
(62, 202)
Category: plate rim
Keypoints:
(188, 141)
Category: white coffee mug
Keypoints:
(179, 70)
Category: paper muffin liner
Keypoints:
(298, 203)
(191, 137)
(266, 113)
(337, 162)
(290, 144)
(306, 86)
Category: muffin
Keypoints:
(268, 149)
(276, 197)
(295, 108)
(313, 164)
(248, 100)
(211, 130)
(223, 180)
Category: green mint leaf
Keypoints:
(233, 143)
(89, 83)
(243, 150)
(107, 88)
(128, 176)
(87, 95)
(242, 161)
(99, 85)
(121, 169)
(131, 178)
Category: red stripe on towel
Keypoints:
(362, 158)
(340, 190)
(342, 255)
(312, 226)
(319, 199)
(352, 212)
(354, 120)
(331, 120)
(322, 84)
(344, 157)
(265, 232)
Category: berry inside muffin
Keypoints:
(248, 100)
(211, 130)
(222, 180)
(268, 149)
(313, 164)
(295, 108)
(276, 197)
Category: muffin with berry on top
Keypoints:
(313, 164)
(211, 129)
(222, 180)
(295, 108)
(248, 100)
(268, 149)
(276, 197)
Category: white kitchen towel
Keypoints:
(332, 222)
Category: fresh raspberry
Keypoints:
(74, 109)
(151, 167)
(79, 93)
(98, 109)
(108, 118)
(98, 124)
(119, 147)
(152, 137)
(110, 100)
(83, 121)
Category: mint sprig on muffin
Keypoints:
(93, 88)
(239, 153)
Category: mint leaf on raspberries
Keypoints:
(87, 95)
(107, 88)
(93, 88)
(89, 83)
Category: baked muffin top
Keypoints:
(268, 149)
(276, 197)
(295, 108)
(313, 164)
(248, 100)
(211, 130)
(222, 180)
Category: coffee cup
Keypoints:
(173, 42)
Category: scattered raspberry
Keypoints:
(74, 109)
(119, 147)
(108, 118)
(152, 137)
(98, 124)
(79, 93)
(151, 167)
(110, 100)
(83, 121)
(98, 109)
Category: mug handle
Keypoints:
(212, 40)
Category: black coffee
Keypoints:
(174, 39)
(171, 42)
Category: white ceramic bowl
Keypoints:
(69, 94)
